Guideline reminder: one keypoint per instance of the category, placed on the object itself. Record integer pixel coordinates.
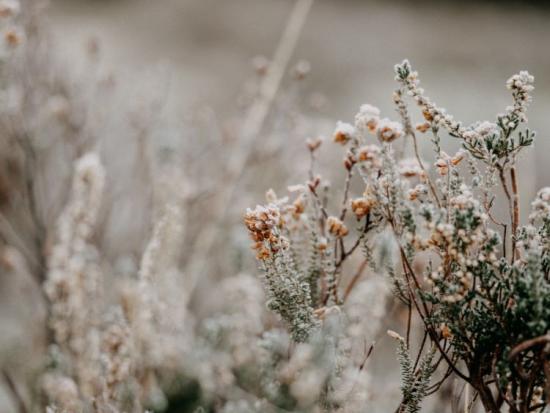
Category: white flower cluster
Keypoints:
(521, 85)
(367, 120)
(388, 130)
(481, 131)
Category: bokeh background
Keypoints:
(464, 50)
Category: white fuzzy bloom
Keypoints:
(481, 131)
(367, 118)
(521, 81)
(388, 130)
(343, 132)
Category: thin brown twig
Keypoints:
(504, 184)
(515, 216)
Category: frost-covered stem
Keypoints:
(504, 183)
(347, 185)
(332, 275)
(311, 169)
(428, 179)
(515, 220)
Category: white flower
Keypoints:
(367, 118)
(388, 130)
(343, 132)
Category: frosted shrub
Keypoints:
(478, 281)
(133, 238)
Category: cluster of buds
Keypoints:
(442, 233)
(388, 130)
(481, 131)
(465, 200)
(369, 156)
(367, 118)
(263, 224)
(414, 193)
(336, 227)
(521, 85)
(314, 143)
(445, 161)
(455, 288)
(362, 206)
(350, 160)
(343, 133)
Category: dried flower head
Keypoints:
(336, 227)
(314, 143)
(369, 153)
(343, 133)
(362, 206)
(422, 127)
(263, 225)
(388, 130)
(367, 118)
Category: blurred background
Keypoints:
(464, 50)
